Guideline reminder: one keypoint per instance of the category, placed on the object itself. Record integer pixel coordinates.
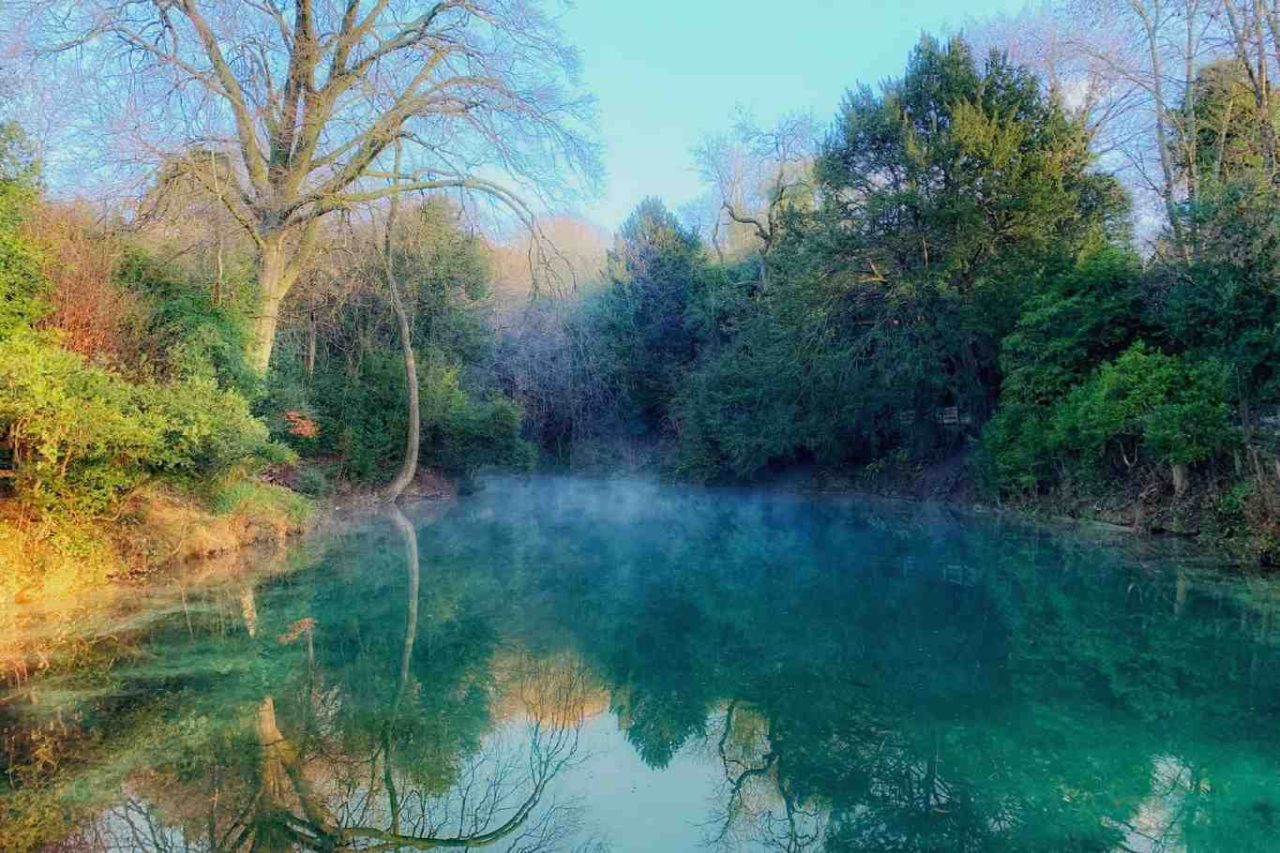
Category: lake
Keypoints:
(566, 664)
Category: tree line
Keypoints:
(953, 272)
(1043, 256)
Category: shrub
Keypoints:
(188, 333)
(79, 433)
(315, 480)
(1142, 406)
(95, 315)
(207, 430)
(22, 289)
(261, 501)
(463, 433)
(83, 435)
(360, 418)
(1087, 316)
(1146, 402)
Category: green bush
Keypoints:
(1144, 406)
(362, 420)
(82, 435)
(207, 430)
(1146, 402)
(734, 418)
(261, 501)
(187, 333)
(360, 414)
(79, 433)
(21, 283)
(1086, 316)
(480, 433)
(463, 432)
(315, 480)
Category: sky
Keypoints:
(668, 73)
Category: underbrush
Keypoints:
(265, 501)
(1232, 507)
(170, 525)
(1234, 512)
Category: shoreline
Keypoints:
(57, 569)
(167, 536)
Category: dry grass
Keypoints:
(176, 528)
(54, 561)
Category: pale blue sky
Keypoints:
(669, 72)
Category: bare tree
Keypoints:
(754, 174)
(1127, 67)
(1076, 66)
(760, 806)
(1252, 31)
(184, 213)
(307, 98)
(1136, 53)
(578, 263)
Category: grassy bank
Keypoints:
(47, 559)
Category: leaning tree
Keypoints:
(309, 98)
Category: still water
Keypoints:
(561, 664)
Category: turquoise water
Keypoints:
(561, 664)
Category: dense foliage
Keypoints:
(948, 280)
(958, 279)
(340, 363)
(83, 435)
(80, 434)
(941, 205)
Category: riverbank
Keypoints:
(1236, 517)
(49, 561)
(51, 558)
(46, 562)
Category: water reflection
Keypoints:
(811, 674)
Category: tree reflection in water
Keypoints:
(759, 803)
(318, 785)
(845, 676)
(318, 802)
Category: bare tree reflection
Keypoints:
(759, 804)
(310, 784)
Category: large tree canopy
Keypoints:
(945, 198)
(308, 98)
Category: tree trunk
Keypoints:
(278, 270)
(1168, 189)
(273, 284)
(409, 465)
(311, 344)
(249, 609)
(1179, 479)
(272, 774)
(410, 536)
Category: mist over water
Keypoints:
(560, 664)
